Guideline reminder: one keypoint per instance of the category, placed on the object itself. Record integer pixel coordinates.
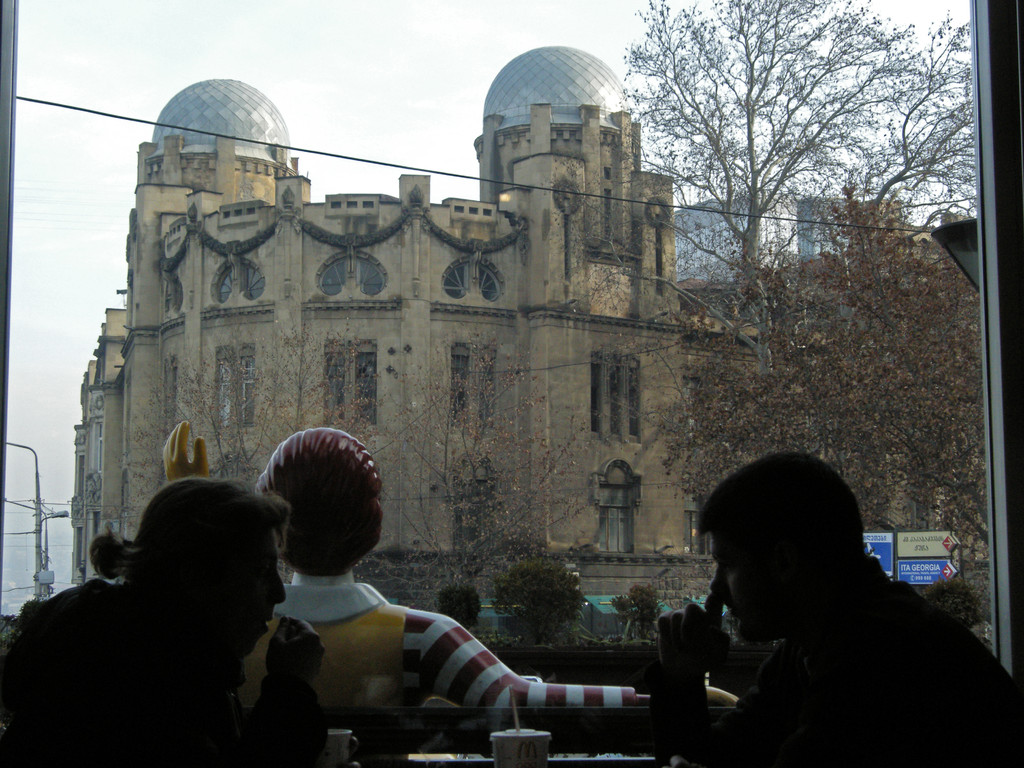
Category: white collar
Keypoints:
(328, 598)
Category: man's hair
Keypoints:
(787, 496)
(195, 520)
(333, 486)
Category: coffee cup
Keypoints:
(524, 748)
(336, 750)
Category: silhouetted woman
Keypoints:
(144, 672)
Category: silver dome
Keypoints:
(565, 78)
(227, 107)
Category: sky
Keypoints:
(401, 81)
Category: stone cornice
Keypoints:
(437, 307)
(357, 305)
(172, 325)
(218, 313)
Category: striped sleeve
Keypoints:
(443, 659)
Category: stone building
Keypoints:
(502, 357)
(93, 504)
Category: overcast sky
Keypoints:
(402, 81)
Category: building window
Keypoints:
(615, 396)
(350, 373)
(366, 272)
(618, 493)
(606, 215)
(457, 280)
(173, 294)
(247, 365)
(333, 278)
(237, 379)
(251, 282)
(222, 292)
(224, 391)
(460, 377)
(170, 390)
(490, 283)
(96, 452)
(696, 544)
(472, 501)
(473, 382)
(246, 275)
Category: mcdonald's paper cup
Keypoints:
(520, 749)
(336, 750)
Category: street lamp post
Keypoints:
(41, 590)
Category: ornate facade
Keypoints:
(501, 357)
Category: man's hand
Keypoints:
(691, 641)
(176, 461)
(295, 649)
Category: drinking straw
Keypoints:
(515, 712)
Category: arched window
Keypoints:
(369, 275)
(457, 280)
(222, 286)
(173, 294)
(618, 493)
(251, 281)
(490, 283)
(246, 275)
(332, 279)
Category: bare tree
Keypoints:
(467, 466)
(246, 399)
(763, 110)
(877, 370)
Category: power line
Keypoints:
(464, 176)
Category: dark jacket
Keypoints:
(112, 675)
(892, 682)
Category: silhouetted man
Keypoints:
(867, 673)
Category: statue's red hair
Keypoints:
(333, 486)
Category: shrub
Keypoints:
(461, 602)
(638, 610)
(543, 594)
(957, 598)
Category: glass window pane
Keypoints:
(455, 280)
(371, 278)
(333, 278)
(224, 288)
(490, 286)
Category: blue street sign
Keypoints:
(879, 544)
(925, 571)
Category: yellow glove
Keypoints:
(176, 461)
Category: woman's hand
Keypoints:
(295, 649)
